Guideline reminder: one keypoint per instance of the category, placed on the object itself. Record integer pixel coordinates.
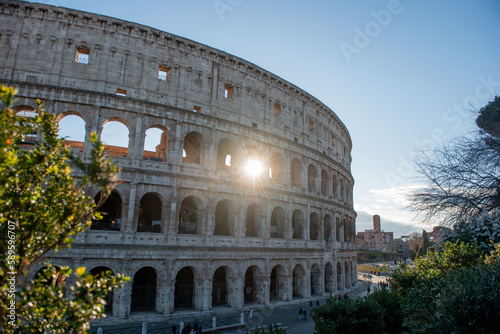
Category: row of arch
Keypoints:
(230, 157)
(225, 220)
(191, 291)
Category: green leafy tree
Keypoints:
(459, 300)
(269, 329)
(454, 289)
(42, 207)
(375, 313)
(446, 257)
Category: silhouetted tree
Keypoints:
(463, 178)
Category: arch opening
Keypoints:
(111, 211)
(277, 228)
(219, 288)
(184, 289)
(188, 216)
(149, 219)
(155, 144)
(144, 290)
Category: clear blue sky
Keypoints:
(400, 74)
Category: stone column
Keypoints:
(321, 280)
(129, 224)
(165, 296)
(342, 274)
(203, 294)
(92, 127)
(136, 143)
(263, 283)
(235, 286)
(122, 300)
(288, 221)
(285, 287)
(307, 223)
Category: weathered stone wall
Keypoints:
(236, 102)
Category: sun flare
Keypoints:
(253, 167)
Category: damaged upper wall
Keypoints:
(41, 44)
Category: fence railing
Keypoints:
(166, 328)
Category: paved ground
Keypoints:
(287, 314)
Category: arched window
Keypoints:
(298, 225)
(149, 214)
(188, 216)
(327, 227)
(276, 167)
(96, 272)
(115, 134)
(299, 286)
(219, 287)
(296, 173)
(226, 151)
(314, 227)
(315, 280)
(184, 289)
(72, 129)
(311, 177)
(223, 218)
(324, 182)
(335, 187)
(111, 211)
(252, 286)
(192, 148)
(278, 223)
(253, 218)
(144, 290)
(28, 112)
(155, 144)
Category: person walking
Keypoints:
(300, 313)
(251, 313)
(305, 314)
(174, 329)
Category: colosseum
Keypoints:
(193, 224)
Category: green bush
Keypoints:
(375, 313)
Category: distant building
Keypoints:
(375, 239)
(439, 234)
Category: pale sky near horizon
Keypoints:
(401, 75)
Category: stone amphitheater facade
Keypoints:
(187, 224)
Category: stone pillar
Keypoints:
(92, 127)
(130, 224)
(307, 283)
(235, 286)
(203, 294)
(122, 300)
(307, 223)
(165, 296)
(263, 284)
(173, 220)
(210, 219)
(285, 287)
(266, 223)
(288, 221)
(342, 274)
(321, 281)
(136, 143)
